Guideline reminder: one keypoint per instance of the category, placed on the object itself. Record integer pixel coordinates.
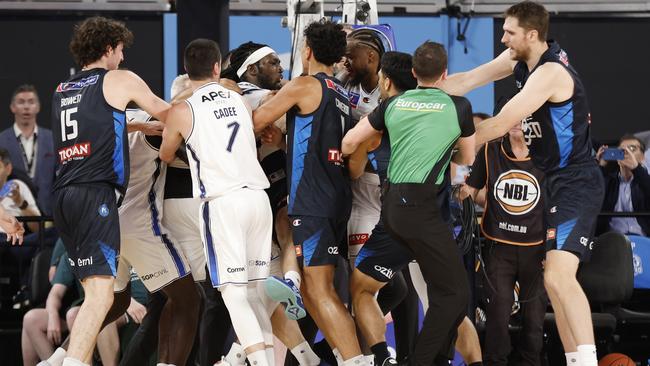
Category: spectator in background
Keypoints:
(627, 189)
(29, 145)
(15, 196)
(645, 138)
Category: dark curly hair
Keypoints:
(327, 41)
(93, 36)
(237, 58)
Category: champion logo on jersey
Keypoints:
(297, 222)
(77, 85)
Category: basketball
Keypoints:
(616, 359)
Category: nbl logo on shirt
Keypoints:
(517, 192)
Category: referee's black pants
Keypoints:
(506, 264)
(412, 217)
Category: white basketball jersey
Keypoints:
(221, 145)
(141, 208)
(253, 95)
(362, 103)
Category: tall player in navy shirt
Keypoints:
(553, 107)
(318, 116)
(90, 136)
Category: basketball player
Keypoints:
(147, 246)
(319, 191)
(362, 60)
(236, 216)
(257, 69)
(553, 105)
(90, 133)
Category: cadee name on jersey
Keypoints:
(225, 112)
(71, 100)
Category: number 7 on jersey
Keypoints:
(235, 128)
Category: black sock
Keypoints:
(380, 350)
(480, 363)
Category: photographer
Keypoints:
(627, 189)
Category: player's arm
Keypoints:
(281, 103)
(464, 154)
(539, 88)
(359, 158)
(52, 306)
(178, 125)
(463, 82)
(360, 133)
(123, 86)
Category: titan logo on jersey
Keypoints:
(550, 234)
(78, 85)
(517, 192)
(357, 239)
(335, 156)
(74, 152)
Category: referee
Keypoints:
(424, 126)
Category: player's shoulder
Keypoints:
(550, 69)
(460, 101)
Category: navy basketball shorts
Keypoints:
(87, 220)
(318, 240)
(381, 257)
(573, 201)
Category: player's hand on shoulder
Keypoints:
(153, 128)
(230, 85)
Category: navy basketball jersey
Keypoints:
(558, 133)
(319, 184)
(90, 136)
(380, 157)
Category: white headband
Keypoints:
(253, 58)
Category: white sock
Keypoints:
(337, 355)
(258, 358)
(68, 361)
(293, 276)
(56, 359)
(587, 355)
(572, 359)
(270, 355)
(359, 360)
(305, 355)
(236, 356)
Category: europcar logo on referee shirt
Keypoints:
(517, 192)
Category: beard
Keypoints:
(268, 82)
(521, 55)
(358, 76)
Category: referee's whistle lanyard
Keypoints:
(29, 161)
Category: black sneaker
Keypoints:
(389, 362)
